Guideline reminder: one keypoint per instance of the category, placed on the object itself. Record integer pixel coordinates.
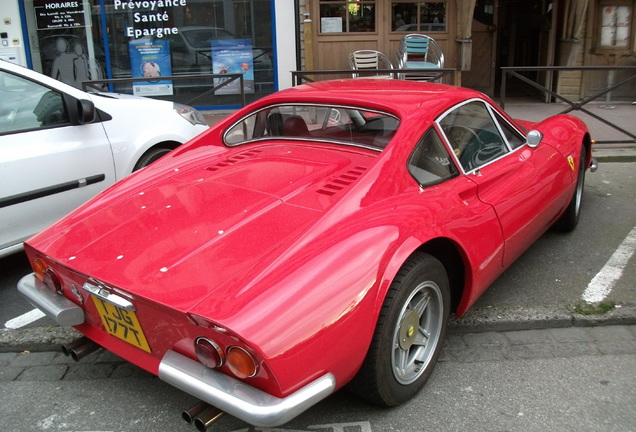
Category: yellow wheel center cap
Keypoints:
(408, 329)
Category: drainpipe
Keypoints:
(297, 27)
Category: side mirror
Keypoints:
(86, 112)
(534, 138)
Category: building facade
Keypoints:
(478, 37)
(76, 41)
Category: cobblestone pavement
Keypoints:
(459, 347)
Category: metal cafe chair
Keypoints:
(365, 61)
(418, 51)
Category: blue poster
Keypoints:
(150, 60)
(233, 56)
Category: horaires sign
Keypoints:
(147, 12)
(59, 15)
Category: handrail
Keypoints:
(227, 79)
(578, 106)
(298, 77)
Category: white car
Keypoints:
(59, 146)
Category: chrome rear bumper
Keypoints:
(55, 306)
(237, 398)
(217, 389)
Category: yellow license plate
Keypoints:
(121, 323)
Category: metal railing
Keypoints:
(298, 77)
(223, 81)
(578, 105)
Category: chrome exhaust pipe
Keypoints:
(67, 348)
(208, 416)
(80, 348)
(189, 414)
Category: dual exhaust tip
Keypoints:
(80, 348)
(202, 416)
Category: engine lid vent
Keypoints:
(341, 182)
(233, 159)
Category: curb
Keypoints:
(476, 320)
(517, 318)
(623, 154)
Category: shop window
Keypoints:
(75, 42)
(418, 16)
(338, 16)
(615, 23)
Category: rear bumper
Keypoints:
(217, 389)
(55, 306)
(237, 398)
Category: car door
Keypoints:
(523, 184)
(49, 163)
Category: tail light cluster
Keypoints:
(45, 274)
(240, 362)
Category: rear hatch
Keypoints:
(179, 240)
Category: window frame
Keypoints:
(258, 122)
(434, 179)
(30, 86)
(418, 4)
(375, 4)
(495, 117)
(631, 37)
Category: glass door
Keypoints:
(62, 42)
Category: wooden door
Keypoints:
(335, 38)
(547, 45)
(481, 75)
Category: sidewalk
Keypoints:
(459, 347)
(620, 114)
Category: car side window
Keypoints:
(26, 105)
(430, 162)
(473, 135)
(514, 138)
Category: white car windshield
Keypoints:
(335, 124)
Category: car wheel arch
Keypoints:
(447, 251)
(587, 142)
(150, 153)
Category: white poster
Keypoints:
(331, 25)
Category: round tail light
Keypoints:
(209, 353)
(241, 363)
(39, 269)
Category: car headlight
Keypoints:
(189, 113)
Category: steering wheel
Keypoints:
(466, 143)
(486, 153)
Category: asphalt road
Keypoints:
(572, 379)
(557, 270)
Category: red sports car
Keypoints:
(319, 237)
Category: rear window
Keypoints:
(335, 124)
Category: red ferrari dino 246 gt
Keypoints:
(320, 236)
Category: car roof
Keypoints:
(401, 97)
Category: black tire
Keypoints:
(150, 156)
(409, 334)
(570, 218)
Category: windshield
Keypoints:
(336, 124)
